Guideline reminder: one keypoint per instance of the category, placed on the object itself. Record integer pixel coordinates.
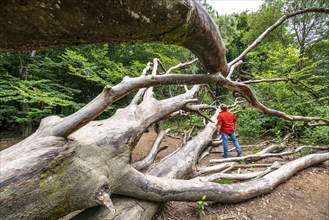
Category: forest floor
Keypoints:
(305, 196)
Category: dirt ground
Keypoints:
(305, 196)
(8, 139)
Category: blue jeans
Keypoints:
(234, 140)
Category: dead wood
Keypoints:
(148, 160)
(95, 155)
(262, 155)
(62, 24)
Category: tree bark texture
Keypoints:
(179, 165)
(74, 163)
(48, 168)
(47, 24)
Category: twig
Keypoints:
(181, 65)
(234, 166)
(266, 80)
(215, 168)
(232, 69)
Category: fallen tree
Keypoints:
(75, 163)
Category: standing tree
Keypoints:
(75, 163)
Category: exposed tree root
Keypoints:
(160, 189)
(148, 160)
(80, 164)
(261, 155)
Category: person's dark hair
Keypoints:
(223, 107)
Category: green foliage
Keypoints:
(225, 181)
(233, 28)
(280, 57)
(63, 80)
(317, 135)
(259, 21)
(249, 123)
(305, 151)
(39, 95)
(228, 28)
(255, 150)
(201, 206)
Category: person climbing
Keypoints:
(226, 127)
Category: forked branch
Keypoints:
(68, 125)
(162, 189)
(273, 27)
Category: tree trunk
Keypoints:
(60, 24)
(26, 127)
(178, 165)
(74, 163)
(48, 169)
(69, 164)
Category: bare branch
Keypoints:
(307, 124)
(235, 104)
(162, 66)
(244, 176)
(197, 108)
(249, 95)
(245, 73)
(109, 95)
(187, 136)
(226, 165)
(141, 92)
(164, 189)
(181, 65)
(103, 198)
(235, 166)
(287, 136)
(149, 94)
(215, 168)
(148, 160)
(232, 69)
(155, 67)
(267, 80)
(217, 176)
(273, 27)
(265, 155)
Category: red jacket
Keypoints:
(226, 120)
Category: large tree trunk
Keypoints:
(50, 168)
(61, 175)
(179, 165)
(48, 24)
(74, 163)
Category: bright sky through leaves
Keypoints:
(234, 6)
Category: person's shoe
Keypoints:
(225, 156)
(239, 155)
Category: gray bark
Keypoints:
(179, 165)
(50, 168)
(66, 23)
(159, 189)
(75, 163)
(149, 159)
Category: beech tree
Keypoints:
(76, 163)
